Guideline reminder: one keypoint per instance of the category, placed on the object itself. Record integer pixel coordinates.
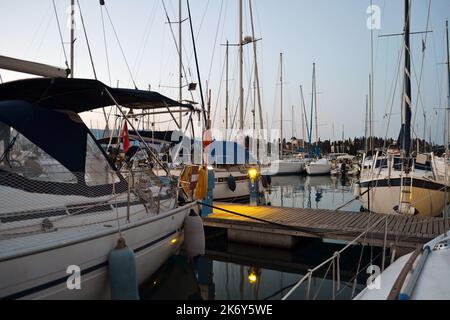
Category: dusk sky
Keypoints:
(331, 33)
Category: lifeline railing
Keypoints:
(334, 260)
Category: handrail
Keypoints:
(331, 259)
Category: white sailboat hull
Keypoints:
(41, 273)
(318, 168)
(287, 167)
(427, 197)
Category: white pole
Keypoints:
(72, 37)
(241, 67)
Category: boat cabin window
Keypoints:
(98, 169)
(20, 156)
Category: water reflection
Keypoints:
(324, 192)
(231, 271)
(241, 272)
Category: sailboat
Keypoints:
(319, 166)
(285, 166)
(395, 182)
(63, 201)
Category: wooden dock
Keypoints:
(284, 227)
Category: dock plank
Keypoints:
(337, 225)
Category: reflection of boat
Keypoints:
(177, 273)
(422, 275)
(287, 181)
(64, 204)
(319, 181)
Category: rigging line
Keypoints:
(60, 35)
(120, 46)
(419, 84)
(196, 61)
(38, 49)
(140, 57)
(36, 30)
(177, 47)
(200, 27)
(87, 43)
(215, 41)
(394, 90)
(105, 45)
(219, 92)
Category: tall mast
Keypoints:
(315, 108)
(72, 36)
(447, 117)
(366, 125)
(226, 87)
(258, 86)
(312, 113)
(180, 29)
(241, 67)
(281, 102)
(303, 118)
(405, 137)
(293, 134)
(370, 115)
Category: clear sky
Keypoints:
(331, 33)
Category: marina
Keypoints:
(233, 150)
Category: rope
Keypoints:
(264, 221)
(179, 50)
(106, 45)
(87, 43)
(121, 48)
(61, 36)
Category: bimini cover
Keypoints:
(81, 95)
(228, 152)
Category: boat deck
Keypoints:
(402, 231)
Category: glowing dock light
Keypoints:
(174, 241)
(252, 173)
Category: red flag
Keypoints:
(125, 138)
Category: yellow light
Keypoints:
(252, 278)
(252, 173)
(174, 241)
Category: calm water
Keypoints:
(232, 271)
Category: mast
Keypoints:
(303, 118)
(281, 102)
(241, 67)
(226, 88)
(293, 134)
(312, 113)
(315, 108)
(72, 36)
(258, 86)
(366, 126)
(370, 115)
(180, 29)
(405, 134)
(447, 116)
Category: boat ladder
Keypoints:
(406, 206)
